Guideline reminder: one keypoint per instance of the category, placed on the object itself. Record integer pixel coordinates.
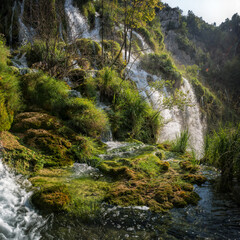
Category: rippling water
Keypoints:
(215, 217)
(18, 220)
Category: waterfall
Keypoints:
(78, 26)
(11, 26)
(18, 220)
(61, 31)
(25, 34)
(175, 119)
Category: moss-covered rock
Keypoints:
(195, 178)
(188, 166)
(35, 120)
(77, 76)
(52, 199)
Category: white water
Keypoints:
(17, 218)
(78, 25)
(25, 34)
(175, 120)
(11, 26)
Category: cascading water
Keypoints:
(17, 218)
(175, 119)
(11, 26)
(25, 34)
(78, 25)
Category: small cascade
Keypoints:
(144, 46)
(106, 135)
(193, 120)
(78, 26)
(11, 26)
(61, 31)
(175, 120)
(94, 34)
(20, 62)
(18, 220)
(25, 34)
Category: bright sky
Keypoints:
(210, 10)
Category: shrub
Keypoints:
(132, 116)
(10, 100)
(85, 117)
(50, 56)
(180, 145)
(222, 149)
(160, 64)
(45, 91)
(52, 95)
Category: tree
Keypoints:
(136, 14)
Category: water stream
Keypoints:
(18, 219)
(11, 26)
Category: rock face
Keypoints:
(170, 21)
(170, 18)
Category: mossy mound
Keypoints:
(77, 76)
(195, 179)
(81, 196)
(188, 166)
(49, 144)
(35, 120)
(54, 199)
(145, 180)
(49, 138)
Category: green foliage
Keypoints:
(10, 100)
(222, 149)
(149, 38)
(181, 143)
(48, 55)
(131, 116)
(85, 117)
(160, 64)
(86, 150)
(44, 91)
(52, 95)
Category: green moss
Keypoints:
(10, 98)
(188, 166)
(83, 195)
(162, 65)
(85, 117)
(53, 199)
(198, 179)
(77, 76)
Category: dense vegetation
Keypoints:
(76, 89)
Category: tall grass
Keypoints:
(181, 142)
(10, 99)
(51, 95)
(222, 149)
(132, 116)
